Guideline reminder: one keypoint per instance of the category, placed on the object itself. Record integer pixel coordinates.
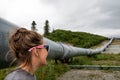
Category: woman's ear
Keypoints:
(35, 52)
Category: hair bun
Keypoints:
(21, 30)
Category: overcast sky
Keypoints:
(95, 16)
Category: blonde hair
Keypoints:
(21, 41)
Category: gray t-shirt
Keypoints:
(20, 74)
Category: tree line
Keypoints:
(79, 39)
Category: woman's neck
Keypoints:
(28, 68)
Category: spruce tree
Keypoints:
(33, 26)
(46, 28)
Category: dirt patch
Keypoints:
(116, 42)
(90, 75)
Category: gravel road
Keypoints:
(90, 75)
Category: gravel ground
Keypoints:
(114, 47)
(90, 75)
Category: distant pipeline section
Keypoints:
(57, 50)
(64, 52)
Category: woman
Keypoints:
(30, 50)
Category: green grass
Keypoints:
(101, 59)
(4, 72)
(51, 71)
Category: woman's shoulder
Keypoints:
(19, 74)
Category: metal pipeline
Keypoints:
(60, 51)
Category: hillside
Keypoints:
(78, 39)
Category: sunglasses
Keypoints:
(40, 47)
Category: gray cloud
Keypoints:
(95, 16)
(111, 9)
